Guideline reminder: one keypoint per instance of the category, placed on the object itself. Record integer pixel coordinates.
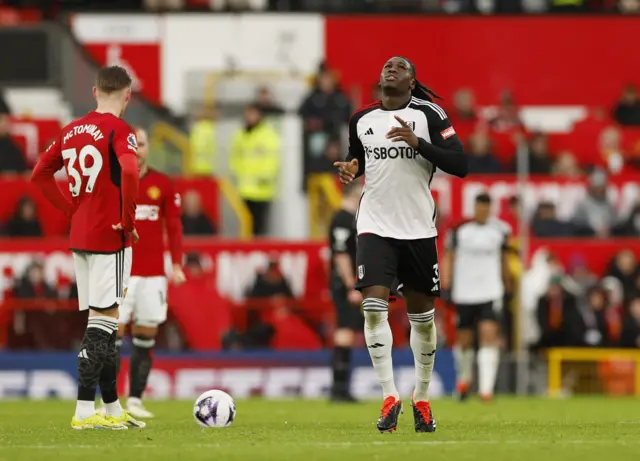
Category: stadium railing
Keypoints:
(590, 370)
(163, 133)
(298, 323)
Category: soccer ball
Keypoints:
(214, 409)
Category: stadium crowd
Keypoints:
(360, 6)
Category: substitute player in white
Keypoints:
(477, 274)
(398, 143)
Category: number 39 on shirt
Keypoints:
(79, 173)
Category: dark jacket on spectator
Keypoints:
(18, 227)
(631, 226)
(333, 109)
(197, 225)
(550, 228)
(557, 318)
(11, 158)
(627, 114)
(630, 333)
(484, 164)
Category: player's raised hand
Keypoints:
(134, 233)
(177, 275)
(347, 170)
(403, 133)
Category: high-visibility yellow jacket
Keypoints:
(202, 140)
(254, 161)
(568, 2)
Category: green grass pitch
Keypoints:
(509, 429)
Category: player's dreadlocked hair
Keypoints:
(420, 91)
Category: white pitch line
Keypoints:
(346, 444)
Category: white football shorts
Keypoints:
(146, 302)
(102, 278)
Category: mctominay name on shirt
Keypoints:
(383, 153)
(84, 129)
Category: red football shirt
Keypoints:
(158, 208)
(98, 152)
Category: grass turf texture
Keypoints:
(510, 429)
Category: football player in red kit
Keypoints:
(98, 152)
(146, 302)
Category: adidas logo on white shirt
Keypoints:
(83, 354)
(369, 132)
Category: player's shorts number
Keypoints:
(75, 179)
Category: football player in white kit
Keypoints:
(398, 143)
(477, 273)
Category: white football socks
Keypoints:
(114, 409)
(85, 408)
(423, 342)
(464, 360)
(488, 362)
(379, 339)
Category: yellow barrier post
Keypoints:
(163, 131)
(555, 373)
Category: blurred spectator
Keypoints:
(255, 163)
(510, 213)
(538, 155)
(32, 284)
(556, 314)
(579, 279)
(270, 282)
(271, 286)
(193, 266)
(194, 220)
(631, 326)
(566, 166)
(4, 107)
(612, 156)
(202, 140)
(627, 111)
(625, 269)
(325, 113)
(326, 108)
(481, 160)
(32, 326)
(11, 158)
(629, 6)
(24, 222)
(333, 152)
(586, 134)
(546, 223)
(507, 118)
(595, 215)
(630, 226)
(464, 106)
(593, 326)
(267, 103)
(164, 5)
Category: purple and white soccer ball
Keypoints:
(214, 409)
